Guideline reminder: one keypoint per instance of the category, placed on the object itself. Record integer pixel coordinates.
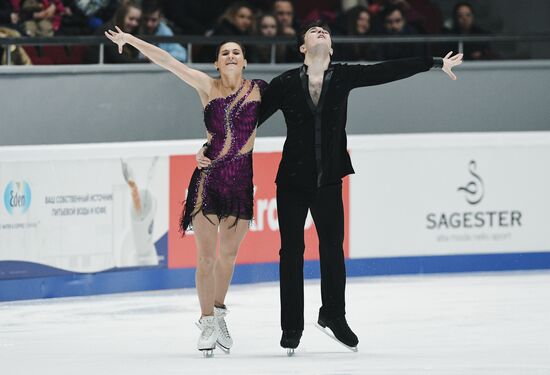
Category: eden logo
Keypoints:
(474, 190)
(17, 197)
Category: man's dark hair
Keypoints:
(151, 6)
(390, 9)
(303, 30)
(229, 41)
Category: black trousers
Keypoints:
(327, 211)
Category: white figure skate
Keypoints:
(209, 335)
(225, 342)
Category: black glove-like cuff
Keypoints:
(438, 62)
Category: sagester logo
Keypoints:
(474, 192)
(474, 189)
(17, 197)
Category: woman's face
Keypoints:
(243, 19)
(363, 23)
(465, 18)
(230, 59)
(131, 21)
(268, 26)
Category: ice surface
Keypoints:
(458, 324)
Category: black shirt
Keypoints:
(315, 151)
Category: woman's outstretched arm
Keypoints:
(200, 81)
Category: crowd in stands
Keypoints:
(267, 18)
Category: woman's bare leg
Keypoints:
(206, 238)
(231, 237)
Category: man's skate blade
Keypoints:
(329, 334)
(289, 352)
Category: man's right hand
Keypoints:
(202, 161)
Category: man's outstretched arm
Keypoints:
(393, 70)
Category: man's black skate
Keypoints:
(290, 340)
(340, 331)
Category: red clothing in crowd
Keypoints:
(59, 10)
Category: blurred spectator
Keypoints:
(423, 15)
(395, 24)
(284, 12)
(87, 15)
(153, 24)
(358, 23)
(464, 23)
(237, 20)
(267, 27)
(7, 16)
(40, 17)
(126, 17)
(18, 54)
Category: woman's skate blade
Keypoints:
(207, 353)
(329, 334)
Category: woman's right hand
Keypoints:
(118, 37)
(202, 161)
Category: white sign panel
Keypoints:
(462, 195)
(83, 215)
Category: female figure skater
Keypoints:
(220, 197)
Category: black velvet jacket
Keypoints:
(315, 151)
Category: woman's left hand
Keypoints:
(449, 62)
(118, 37)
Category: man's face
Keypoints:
(394, 22)
(151, 21)
(315, 37)
(284, 11)
(465, 18)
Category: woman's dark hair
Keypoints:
(219, 47)
(303, 30)
(351, 18)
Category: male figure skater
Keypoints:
(314, 99)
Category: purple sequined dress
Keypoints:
(225, 188)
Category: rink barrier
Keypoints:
(156, 279)
(369, 255)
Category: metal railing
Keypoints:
(190, 40)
